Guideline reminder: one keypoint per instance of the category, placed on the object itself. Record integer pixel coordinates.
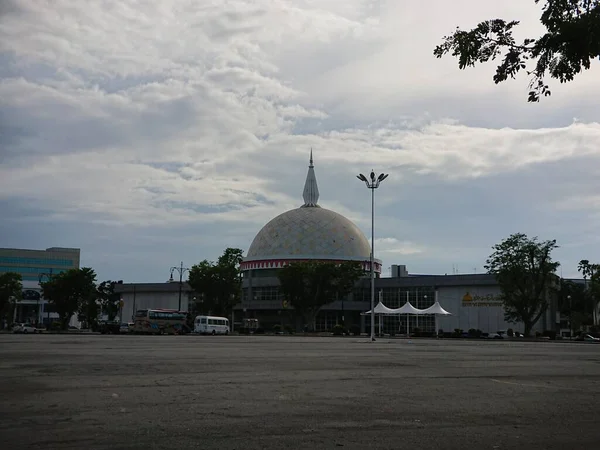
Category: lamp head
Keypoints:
(361, 177)
(372, 175)
(382, 177)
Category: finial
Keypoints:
(311, 191)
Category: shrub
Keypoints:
(550, 333)
(416, 332)
(276, 328)
(289, 329)
(355, 330)
(338, 330)
(510, 332)
(259, 331)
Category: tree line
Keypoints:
(73, 291)
(523, 267)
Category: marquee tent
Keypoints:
(407, 308)
(380, 308)
(435, 309)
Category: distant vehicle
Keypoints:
(24, 328)
(109, 327)
(587, 337)
(160, 321)
(497, 335)
(126, 327)
(249, 326)
(211, 325)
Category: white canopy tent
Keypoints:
(407, 309)
(380, 309)
(435, 309)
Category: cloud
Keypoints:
(166, 123)
(395, 247)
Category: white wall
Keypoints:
(488, 319)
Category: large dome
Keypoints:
(308, 233)
(311, 233)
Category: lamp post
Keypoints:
(372, 184)
(181, 271)
(570, 317)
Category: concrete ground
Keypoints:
(276, 392)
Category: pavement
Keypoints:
(275, 392)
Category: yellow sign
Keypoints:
(285, 304)
(121, 303)
(481, 300)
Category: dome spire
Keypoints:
(311, 191)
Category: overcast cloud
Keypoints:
(149, 133)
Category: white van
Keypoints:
(211, 325)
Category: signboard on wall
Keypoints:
(469, 300)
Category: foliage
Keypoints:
(524, 270)
(571, 41)
(309, 285)
(109, 299)
(69, 290)
(592, 292)
(88, 311)
(218, 284)
(11, 289)
(578, 301)
(338, 330)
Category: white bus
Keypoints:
(211, 325)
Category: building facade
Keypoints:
(307, 233)
(316, 234)
(36, 266)
(137, 296)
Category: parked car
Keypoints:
(109, 327)
(24, 328)
(588, 338)
(126, 327)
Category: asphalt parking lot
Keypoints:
(274, 392)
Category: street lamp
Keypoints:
(570, 317)
(181, 271)
(372, 184)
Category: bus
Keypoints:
(160, 321)
(211, 325)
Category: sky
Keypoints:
(149, 133)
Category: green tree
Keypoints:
(525, 272)
(590, 272)
(109, 299)
(11, 289)
(574, 303)
(88, 311)
(68, 290)
(309, 285)
(217, 283)
(571, 41)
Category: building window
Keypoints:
(29, 270)
(36, 261)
